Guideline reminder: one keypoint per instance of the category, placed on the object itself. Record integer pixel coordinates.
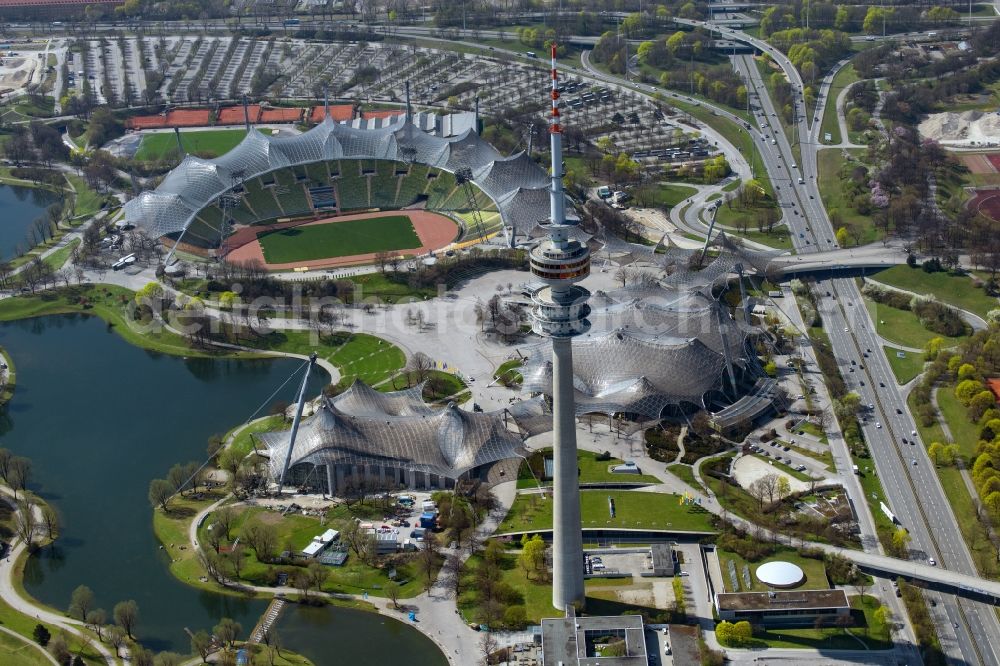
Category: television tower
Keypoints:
(560, 312)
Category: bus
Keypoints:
(291, 21)
(124, 262)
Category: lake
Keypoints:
(21, 206)
(100, 418)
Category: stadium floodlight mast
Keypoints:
(560, 313)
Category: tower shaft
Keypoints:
(560, 312)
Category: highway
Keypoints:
(969, 631)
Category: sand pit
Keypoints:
(969, 128)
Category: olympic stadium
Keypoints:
(404, 162)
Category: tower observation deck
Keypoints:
(560, 312)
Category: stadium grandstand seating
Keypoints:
(457, 200)
(324, 197)
(206, 224)
(412, 185)
(352, 187)
(334, 168)
(318, 173)
(290, 195)
(384, 184)
(261, 201)
(439, 189)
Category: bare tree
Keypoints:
(487, 646)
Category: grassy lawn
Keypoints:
(356, 355)
(670, 194)
(956, 290)
(59, 258)
(845, 77)
(814, 570)
(296, 531)
(902, 327)
(511, 367)
(634, 509)
(905, 368)
(209, 143)
(339, 239)
(22, 651)
(536, 591)
(386, 289)
(591, 470)
(964, 431)
(106, 302)
(171, 529)
(445, 384)
(829, 162)
(779, 239)
(88, 202)
(243, 442)
(685, 473)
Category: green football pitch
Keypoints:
(203, 143)
(339, 239)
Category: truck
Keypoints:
(857, 472)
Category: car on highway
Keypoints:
(914, 461)
(878, 425)
(913, 432)
(930, 561)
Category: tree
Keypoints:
(126, 614)
(487, 645)
(24, 523)
(783, 488)
(81, 602)
(96, 619)
(116, 637)
(224, 519)
(842, 237)
(935, 451)
(50, 519)
(419, 367)
(41, 634)
(228, 630)
(201, 644)
(160, 492)
(18, 473)
(901, 539)
(59, 650)
(392, 592)
(427, 559)
(883, 617)
(532, 556)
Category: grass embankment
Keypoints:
(906, 368)
(591, 470)
(633, 509)
(59, 258)
(384, 288)
(685, 473)
(962, 503)
(207, 143)
(903, 327)
(829, 163)
(957, 290)
(845, 77)
(88, 202)
(356, 355)
(107, 302)
(11, 384)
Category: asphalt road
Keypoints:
(913, 490)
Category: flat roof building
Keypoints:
(663, 559)
(795, 608)
(580, 641)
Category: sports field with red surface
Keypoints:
(325, 243)
(987, 202)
